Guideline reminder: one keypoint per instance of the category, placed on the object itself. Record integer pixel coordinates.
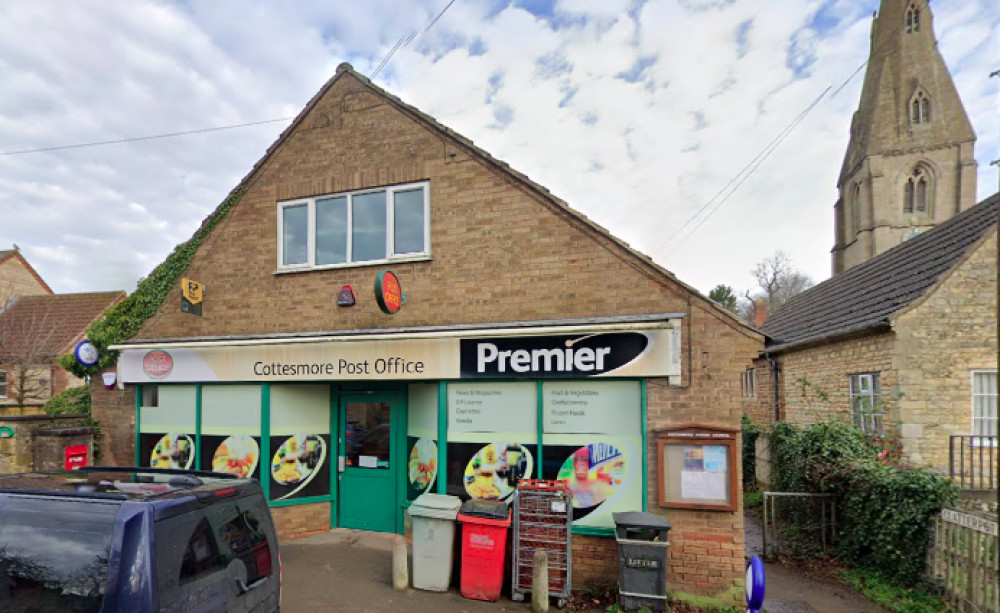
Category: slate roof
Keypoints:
(48, 325)
(867, 295)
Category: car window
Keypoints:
(205, 542)
(54, 554)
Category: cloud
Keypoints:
(635, 112)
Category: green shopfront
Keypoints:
(358, 425)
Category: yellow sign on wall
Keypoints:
(192, 294)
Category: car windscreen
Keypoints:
(54, 554)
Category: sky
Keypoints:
(639, 114)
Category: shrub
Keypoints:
(74, 401)
(750, 433)
(883, 512)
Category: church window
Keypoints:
(916, 192)
(920, 108)
(854, 211)
(912, 19)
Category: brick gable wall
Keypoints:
(500, 253)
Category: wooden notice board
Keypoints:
(696, 467)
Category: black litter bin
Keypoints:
(642, 560)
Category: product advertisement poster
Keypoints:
(300, 465)
(237, 454)
(604, 475)
(167, 428)
(489, 469)
(173, 450)
(421, 440)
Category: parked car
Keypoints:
(110, 540)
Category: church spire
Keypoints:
(909, 163)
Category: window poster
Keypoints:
(421, 440)
(230, 429)
(593, 442)
(300, 455)
(492, 438)
(167, 430)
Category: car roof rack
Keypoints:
(160, 471)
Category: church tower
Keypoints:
(910, 163)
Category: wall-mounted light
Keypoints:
(109, 380)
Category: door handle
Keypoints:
(244, 588)
(341, 463)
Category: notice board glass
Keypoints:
(696, 467)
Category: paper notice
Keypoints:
(702, 485)
(715, 458)
(368, 461)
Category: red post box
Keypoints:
(76, 456)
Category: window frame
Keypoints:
(876, 427)
(750, 383)
(3, 385)
(973, 398)
(390, 246)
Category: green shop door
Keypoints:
(367, 482)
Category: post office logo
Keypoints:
(157, 364)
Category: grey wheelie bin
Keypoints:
(433, 540)
(642, 560)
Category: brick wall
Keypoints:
(502, 251)
(115, 411)
(16, 280)
(51, 444)
(17, 453)
(301, 520)
(941, 340)
(814, 384)
(595, 561)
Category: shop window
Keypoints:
(592, 440)
(866, 407)
(421, 439)
(3, 384)
(984, 403)
(300, 453)
(492, 438)
(167, 421)
(230, 429)
(750, 383)
(356, 227)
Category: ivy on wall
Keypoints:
(124, 320)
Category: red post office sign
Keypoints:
(388, 292)
(75, 456)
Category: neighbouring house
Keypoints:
(388, 310)
(34, 332)
(904, 345)
(18, 278)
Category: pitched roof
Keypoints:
(6, 254)
(45, 326)
(640, 261)
(867, 295)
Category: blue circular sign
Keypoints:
(85, 353)
(755, 584)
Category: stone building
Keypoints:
(34, 332)
(904, 344)
(910, 163)
(18, 278)
(389, 310)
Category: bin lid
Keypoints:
(487, 509)
(435, 506)
(639, 519)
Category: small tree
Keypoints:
(26, 356)
(724, 295)
(778, 281)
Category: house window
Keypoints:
(912, 19)
(358, 227)
(916, 192)
(3, 384)
(984, 403)
(750, 382)
(866, 409)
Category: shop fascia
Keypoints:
(647, 349)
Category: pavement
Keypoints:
(348, 570)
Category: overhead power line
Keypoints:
(404, 41)
(132, 139)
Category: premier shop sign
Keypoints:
(653, 352)
(570, 356)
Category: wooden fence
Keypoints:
(963, 561)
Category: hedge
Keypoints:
(884, 512)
